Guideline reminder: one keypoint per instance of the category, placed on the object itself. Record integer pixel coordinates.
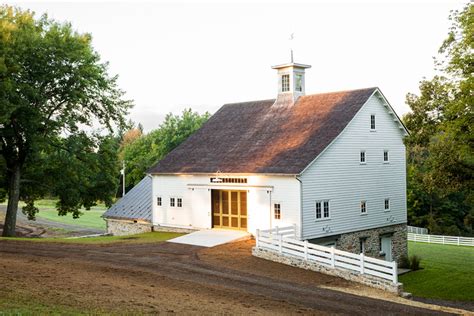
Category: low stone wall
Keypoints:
(351, 241)
(119, 227)
(369, 280)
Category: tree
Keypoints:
(52, 85)
(148, 149)
(440, 147)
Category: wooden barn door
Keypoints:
(229, 209)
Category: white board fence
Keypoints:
(417, 230)
(445, 240)
(282, 240)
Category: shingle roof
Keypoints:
(136, 204)
(258, 137)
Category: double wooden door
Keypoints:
(229, 209)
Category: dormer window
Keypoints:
(285, 83)
(299, 82)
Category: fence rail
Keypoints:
(282, 240)
(417, 230)
(445, 240)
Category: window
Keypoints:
(363, 207)
(372, 122)
(285, 83)
(158, 201)
(322, 209)
(172, 202)
(299, 82)
(385, 156)
(362, 156)
(179, 202)
(386, 206)
(277, 210)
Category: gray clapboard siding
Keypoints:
(338, 176)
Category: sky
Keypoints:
(175, 55)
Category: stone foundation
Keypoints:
(119, 227)
(158, 228)
(351, 241)
(369, 280)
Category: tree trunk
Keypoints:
(13, 199)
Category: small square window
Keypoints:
(362, 156)
(158, 201)
(387, 205)
(285, 83)
(363, 207)
(172, 202)
(277, 210)
(385, 156)
(179, 202)
(372, 122)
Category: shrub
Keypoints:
(415, 263)
(404, 262)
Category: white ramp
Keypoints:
(211, 237)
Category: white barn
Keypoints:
(332, 164)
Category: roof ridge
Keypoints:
(341, 91)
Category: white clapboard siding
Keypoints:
(271, 240)
(444, 240)
(337, 175)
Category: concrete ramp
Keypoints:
(211, 237)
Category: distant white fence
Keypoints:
(282, 240)
(445, 240)
(417, 230)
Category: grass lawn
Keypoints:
(89, 219)
(448, 272)
(139, 238)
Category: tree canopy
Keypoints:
(53, 90)
(440, 147)
(145, 150)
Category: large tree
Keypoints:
(53, 90)
(440, 147)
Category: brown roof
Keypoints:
(256, 137)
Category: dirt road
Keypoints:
(168, 277)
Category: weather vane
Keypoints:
(292, 37)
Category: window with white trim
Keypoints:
(363, 207)
(179, 202)
(277, 210)
(322, 210)
(372, 122)
(172, 202)
(386, 205)
(385, 156)
(299, 82)
(362, 157)
(285, 83)
(158, 201)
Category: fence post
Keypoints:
(429, 239)
(362, 263)
(458, 240)
(276, 230)
(280, 240)
(333, 261)
(294, 233)
(395, 272)
(443, 240)
(306, 250)
(257, 239)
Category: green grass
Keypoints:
(89, 219)
(448, 272)
(139, 238)
(21, 306)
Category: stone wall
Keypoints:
(351, 241)
(118, 227)
(158, 228)
(369, 280)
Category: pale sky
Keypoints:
(174, 55)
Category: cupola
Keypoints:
(291, 82)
